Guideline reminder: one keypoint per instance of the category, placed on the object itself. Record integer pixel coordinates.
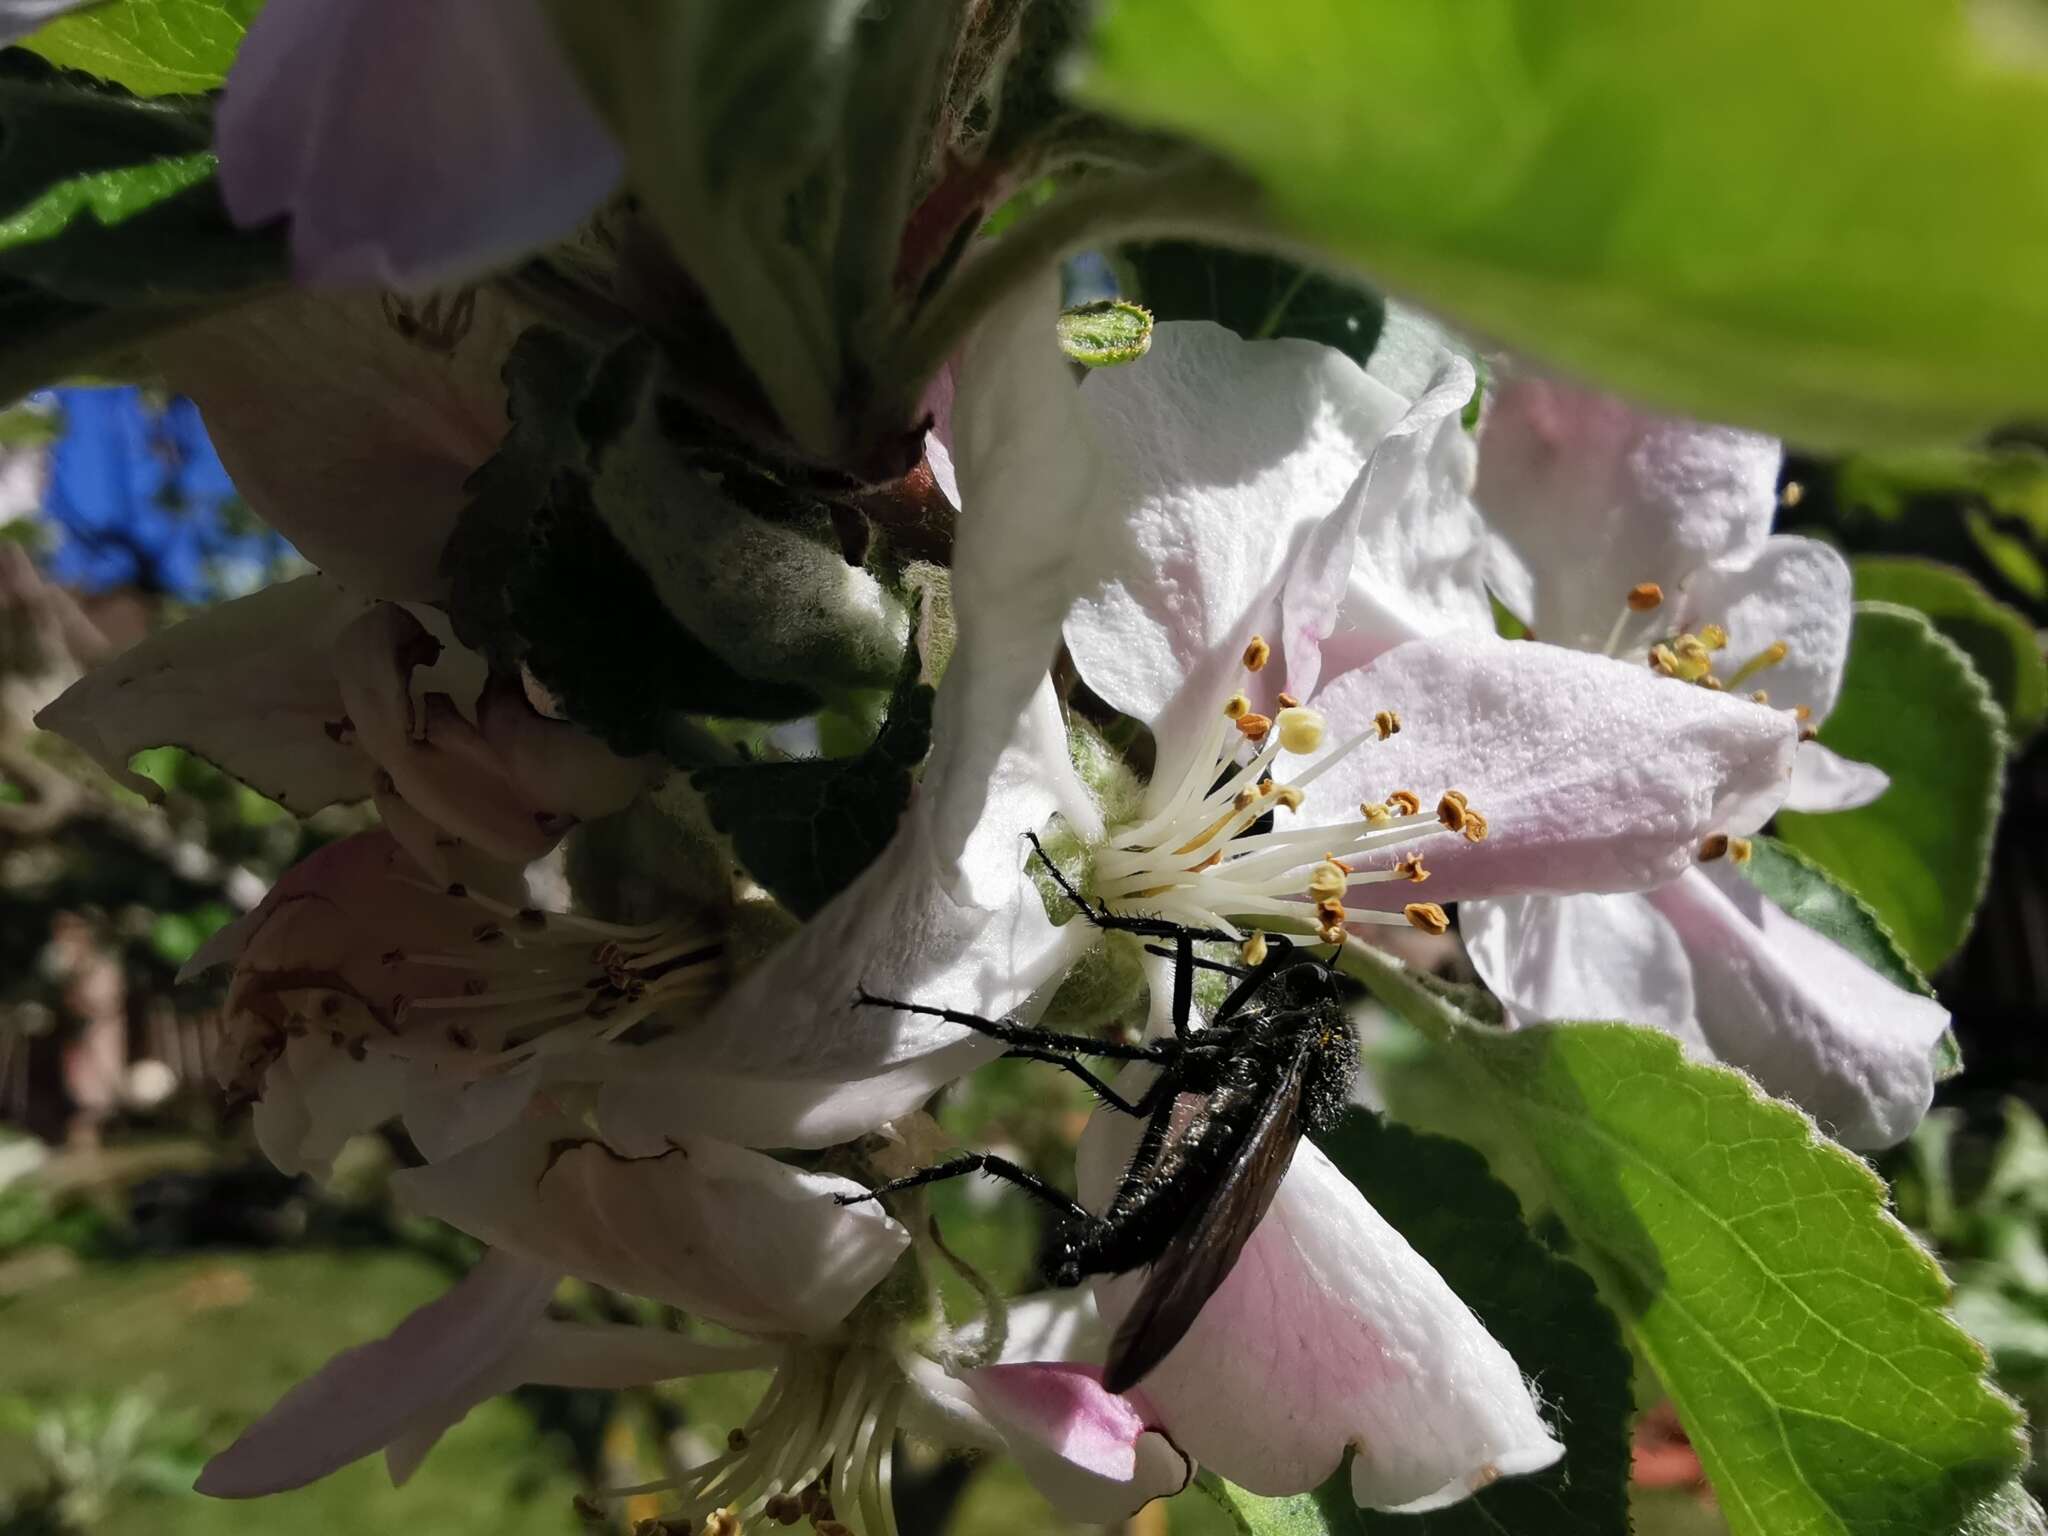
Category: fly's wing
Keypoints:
(1204, 1251)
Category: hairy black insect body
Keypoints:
(1223, 1116)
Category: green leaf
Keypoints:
(778, 149)
(1800, 1329)
(1105, 333)
(153, 47)
(806, 829)
(1912, 704)
(1773, 214)
(111, 226)
(1999, 641)
(1253, 294)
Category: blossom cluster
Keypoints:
(1224, 647)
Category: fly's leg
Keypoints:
(1157, 1090)
(979, 1162)
(1020, 1034)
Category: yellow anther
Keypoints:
(1791, 494)
(1409, 867)
(1715, 847)
(1692, 648)
(1759, 697)
(1387, 723)
(1740, 849)
(1257, 654)
(1254, 950)
(1427, 916)
(1714, 637)
(1331, 933)
(1328, 880)
(1453, 810)
(1405, 803)
(1713, 684)
(1253, 727)
(1286, 700)
(1769, 656)
(1247, 797)
(1662, 659)
(1375, 812)
(1808, 733)
(1802, 713)
(1289, 796)
(1645, 596)
(1476, 827)
(1331, 911)
(1301, 730)
(1236, 707)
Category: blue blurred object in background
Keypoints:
(137, 497)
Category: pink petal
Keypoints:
(1823, 780)
(1067, 1407)
(1594, 775)
(1331, 1332)
(411, 145)
(366, 1396)
(1802, 1015)
(1595, 496)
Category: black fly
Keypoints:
(1277, 1060)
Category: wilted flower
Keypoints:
(1649, 539)
(818, 1445)
(363, 990)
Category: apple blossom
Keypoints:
(1647, 538)
(313, 695)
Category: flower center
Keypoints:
(1691, 655)
(817, 1447)
(1215, 853)
(535, 983)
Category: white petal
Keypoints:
(1403, 557)
(443, 1116)
(1824, 780)
(788, 1059)
(1796, 591)
(1805, 1017)
(323, 1096)
(1581, 957)
(606, 1357)
(361, 461)
(1597, 496)
(727, 1233)
(1594, 775)
(947, 915)
(1031, 480)
(1229, 452)
(366, 1396)
(247, 686)
(1332, 1332)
